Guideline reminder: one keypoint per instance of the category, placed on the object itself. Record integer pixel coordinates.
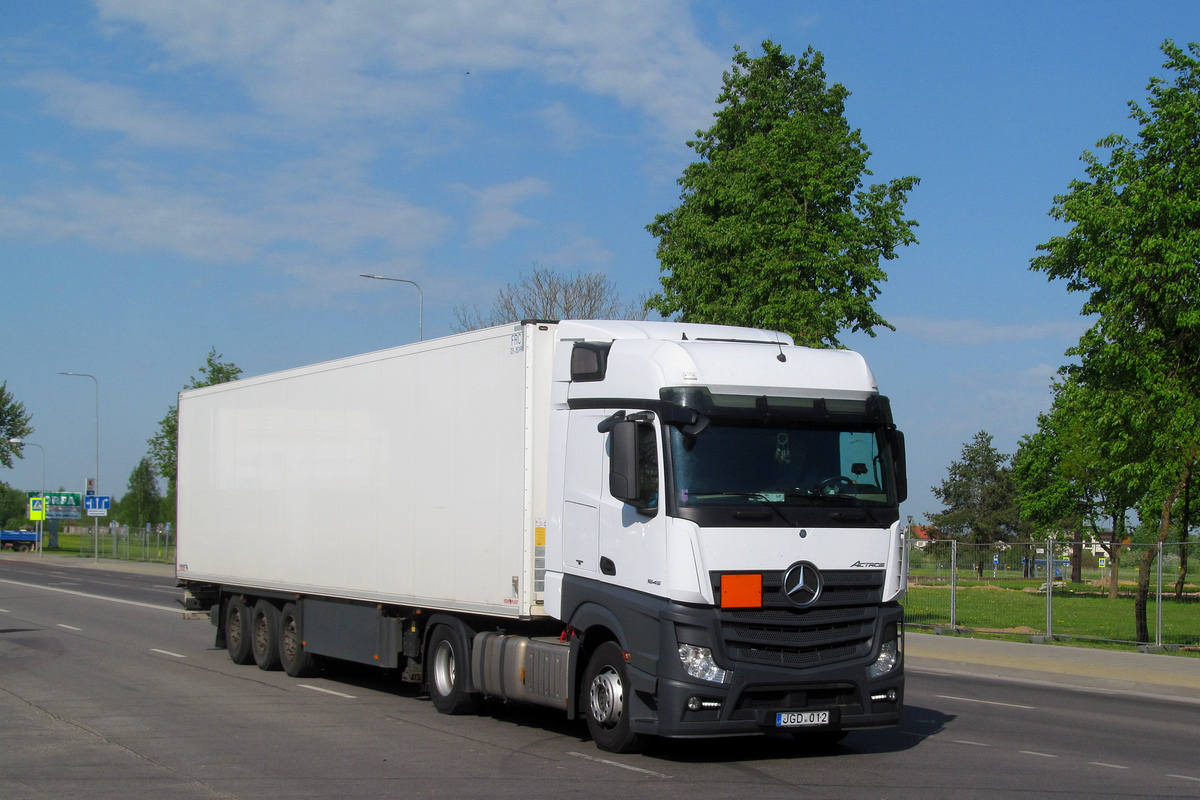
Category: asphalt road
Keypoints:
(107, 692)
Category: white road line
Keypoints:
(174, 610)
(1183, 777)
(166, 652)
(69, 627)
(4, 611)
(974, 744)
(326, 691)
(619, 764)
(985, 702)
(1110, 766)
(1036, 753)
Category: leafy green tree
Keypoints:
(980, 498)
(164, 445)
(775, 228)
(548, 294)
(14, 424)
(142, 502)
(13, 508)
(1134, 249)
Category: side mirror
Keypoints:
(625, 464)
(899, 464)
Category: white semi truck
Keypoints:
(668, 529)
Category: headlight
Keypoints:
(889, 657)
(698, 661)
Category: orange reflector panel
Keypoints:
(741, 591)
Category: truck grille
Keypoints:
(838, 627)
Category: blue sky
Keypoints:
(180, 176)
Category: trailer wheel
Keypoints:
(265, 635)
(297, 662)
(608, 695)
(237, 631)
(449, 673)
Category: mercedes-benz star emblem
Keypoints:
(802, 584)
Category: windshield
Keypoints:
(781, 463)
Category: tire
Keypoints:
(296, 661)
(449, 675)
(237, 631)
(608, 693)
(264, 635)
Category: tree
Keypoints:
(13, 507)
(774, 228)
(14, 424)
(164, 445)
(979, 496)
(1134, 249)
(142, 502)
(547, 294)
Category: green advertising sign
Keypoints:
(62, 505)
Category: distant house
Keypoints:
(922, 535)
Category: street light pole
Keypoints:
(22, 442)
(421, 301)
(96, 531)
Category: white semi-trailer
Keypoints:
(668, 529)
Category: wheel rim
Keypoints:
(443, 669)
(234, 634)
(607, 697)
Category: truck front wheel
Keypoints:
(608, 693)
(449, 673)
(265, 635)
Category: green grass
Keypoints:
(1006, 610)
(127, 549)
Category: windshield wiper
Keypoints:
(758, 496)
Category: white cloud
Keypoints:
(568, 129)
(231, 220)
(970, 332)
(579, 251)
(366, 59)
(120, 109)
(494, 217)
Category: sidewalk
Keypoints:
(1062, 665)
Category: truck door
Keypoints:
(632, 531)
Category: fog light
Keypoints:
(889, 657)
(885, 697)
(695, 703)
(699, 663)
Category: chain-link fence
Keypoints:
(1056, 589)
(121, 542)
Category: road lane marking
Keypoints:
(1036, 753)
(1110, 766)
(69, 627)
(326, 691)
(973, 744)
(175, 610)
(166, 652)
(4, 611)
(619, 764)
(985, 702)
(1183, 777)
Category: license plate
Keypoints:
(801, 719)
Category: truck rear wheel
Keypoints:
(237, 631)
(265, 635)
(606, 683)
(449, 673)
(297, 662)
